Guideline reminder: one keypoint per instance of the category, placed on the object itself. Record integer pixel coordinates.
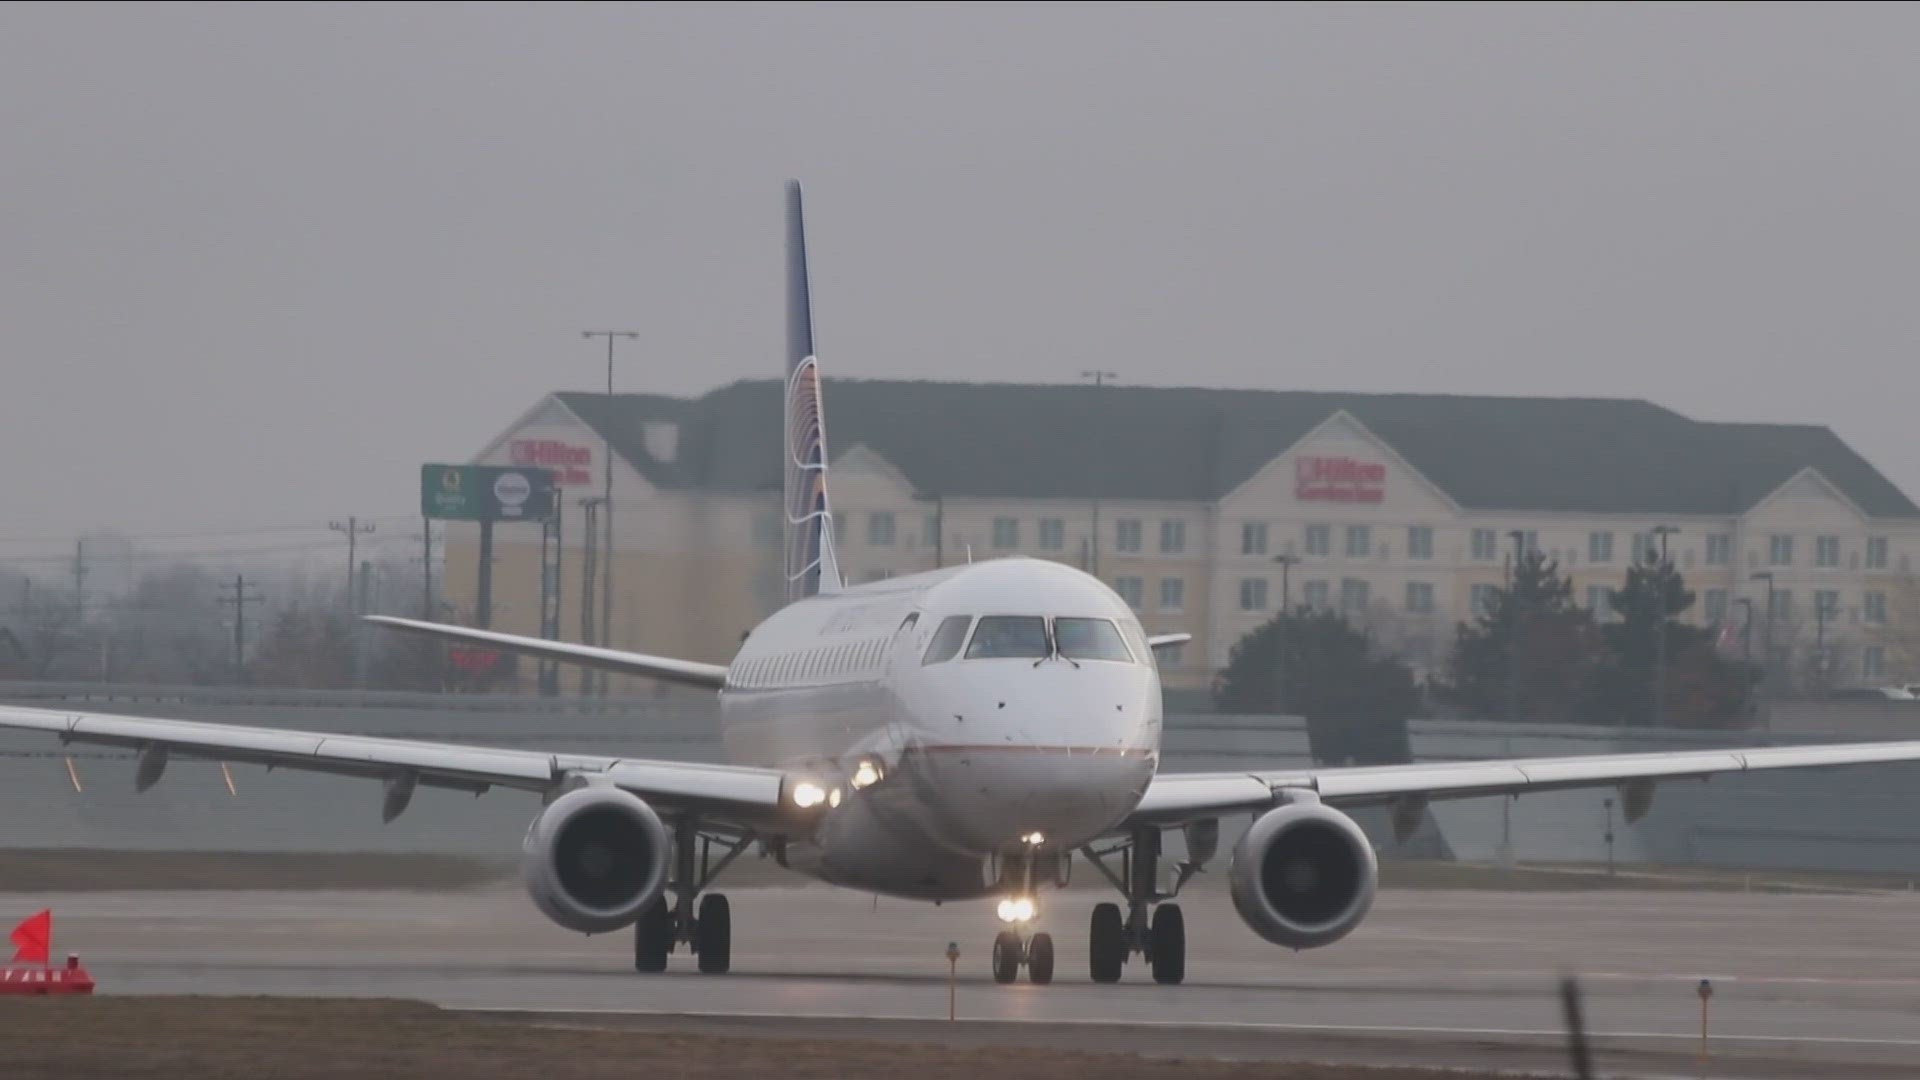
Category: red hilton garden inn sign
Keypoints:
(1339, 479)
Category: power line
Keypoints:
(209, 534)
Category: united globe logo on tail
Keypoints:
(810, 563)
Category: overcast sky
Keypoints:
(256, 264)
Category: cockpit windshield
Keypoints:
(1004, 636)
(1090, 639)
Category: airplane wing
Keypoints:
(665, 668)
(1163, 641)
(1174, 797)
(742, 794)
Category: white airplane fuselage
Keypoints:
(943, 767)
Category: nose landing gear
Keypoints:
(1010, 954)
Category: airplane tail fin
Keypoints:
(811, 565)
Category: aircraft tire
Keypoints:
(713, 934)
(653, 938)
(1106, 944)
(1006, 957)
(1040, 959)
(1169, 945)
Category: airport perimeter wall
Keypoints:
(1860, 819)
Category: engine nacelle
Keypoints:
(595, 858)
(1303, 875)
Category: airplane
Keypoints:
(957, 734)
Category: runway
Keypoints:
(1438, 977)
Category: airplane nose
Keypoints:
(988, 798)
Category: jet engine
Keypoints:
(595, 858)
(1303, 875)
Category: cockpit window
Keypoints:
(1090, 639)
(947, 639)
(1002, 636)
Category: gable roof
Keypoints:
(1594, 455)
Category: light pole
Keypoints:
(1093, 535)
(1660, 627)
(606, 563)
(1766, 653)
(1608, 803)
(1519, 538)
(1286, 605)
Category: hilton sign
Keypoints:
(1339, 479)
(571, 465)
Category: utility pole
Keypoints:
(606, 565)
(354, 531)
(1286, 612)
(1093, 536)
(1660, 627)
(79, 580)
(1766, 654)
(1513, 627)
(426, 569)
(240, 598)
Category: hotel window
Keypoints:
(1873, 663)
(840, 528)
(1482, 598)
(1826, 551)
(1600, 547)
(1130, 590)
(1826, 604)
(1876, 553)
(1642, 546)
(1126, 534)
(1600, 601)
(1875, 608)
(1359, 541)
(1485, 545)
(930, 531)
(1419, 541)
(1173, 537)
(1780, 550)
(1319, 539)
(1173, 593)
(1719, 549)
(1253, 538)
(1419, 598)
(1354, 594)
(1783, 604)
(880, 529)
(1053, 534)
(1006, 533)
(1253, 594)
(1716, 606)
(1315, 596)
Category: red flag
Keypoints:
(34, 939)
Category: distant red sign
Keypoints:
(1339, 479)
(474, 661)
(571, 465)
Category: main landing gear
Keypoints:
(702, 923)
(1151, 928)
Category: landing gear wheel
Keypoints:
(1006, 956)
(653, 938)
(1106, 944)
(1169, 945)
(713, 934)
(1040, 959)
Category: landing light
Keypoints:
(1016, 909)
(807, 795)
(1034, 838)
(833, 797)
(864, 774)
